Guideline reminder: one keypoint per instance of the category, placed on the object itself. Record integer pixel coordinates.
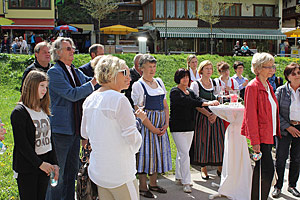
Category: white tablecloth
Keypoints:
(236, 176)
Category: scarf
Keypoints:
(77, 106)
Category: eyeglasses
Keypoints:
(270, 67)
(124, 71)
(70, 48)
(294, 74)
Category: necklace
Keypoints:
(151, 82)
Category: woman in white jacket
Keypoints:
(109, 124)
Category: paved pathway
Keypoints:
(202, 189)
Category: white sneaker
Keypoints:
(187, 189)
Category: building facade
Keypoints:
(257, 22)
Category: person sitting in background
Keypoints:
(289, 144)
(24, 46)
(183, 104)
(15, 45)
(110, 126)
(237, 49)
(275, 81)
(192, 64)
(242, 81)
(245, 50)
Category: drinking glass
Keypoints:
(234, 96)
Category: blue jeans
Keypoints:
(14, 47)
(67, 151)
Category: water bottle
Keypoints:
(53, 182)
(2, 146)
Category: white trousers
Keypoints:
(183, 141)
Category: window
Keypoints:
(234, 10)
(32, 4)
(175, 9)
(264, 10)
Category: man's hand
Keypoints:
(293, 131)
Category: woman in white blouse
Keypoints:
(192, 64)
(225, 79)
(109, 124)
(155, 153)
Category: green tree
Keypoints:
(98, 9)
(209, 12)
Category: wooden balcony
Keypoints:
(244, 22)
(289, 13)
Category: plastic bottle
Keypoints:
(53, 182)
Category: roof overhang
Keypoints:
(27, 27)
(196, 32)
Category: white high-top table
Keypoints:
(236, 178)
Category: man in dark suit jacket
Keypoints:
(135, 74)
(94, 51)
(68, 87)
(41, 62)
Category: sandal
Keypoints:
(146, 194)
(157, 189)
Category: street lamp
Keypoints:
(142, 44)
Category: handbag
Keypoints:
(86, 189)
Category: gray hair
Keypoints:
(57, 45)
(146, 58)
(94, 47)
(38, 47)
(107, 68)
(258, 60)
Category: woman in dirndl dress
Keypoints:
(155, 152)
(208, 142)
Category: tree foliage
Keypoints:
(98, 9)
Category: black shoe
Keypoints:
(204, 176)
(294, 191)
(219, 173)
(276, 193)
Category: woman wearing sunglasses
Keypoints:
(289, 145)
(155, 153)
(261, 122)
(109, 124)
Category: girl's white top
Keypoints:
(109, 123)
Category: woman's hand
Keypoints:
(46, 167)
(212, 118)
(245, 83)
(213, 103)
(163, 129)
(141, 114)
(293, 131)
(256, 148)
(56, 170)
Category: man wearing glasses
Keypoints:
(68, 87)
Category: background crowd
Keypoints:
(128, 133)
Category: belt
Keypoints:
(294, 122)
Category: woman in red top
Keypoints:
(261, 121)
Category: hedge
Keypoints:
(13, 65)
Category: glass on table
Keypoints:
(234, 96)
(219, 93)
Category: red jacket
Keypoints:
(257, 123)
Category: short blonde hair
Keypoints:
(189, 59)
(258, 60)
(95, 61)
(107, 68)
(203, 64)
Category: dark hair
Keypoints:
(181, 73)
(290, 69)
(221, 66)
(236, 64)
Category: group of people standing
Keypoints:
(128, 136)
